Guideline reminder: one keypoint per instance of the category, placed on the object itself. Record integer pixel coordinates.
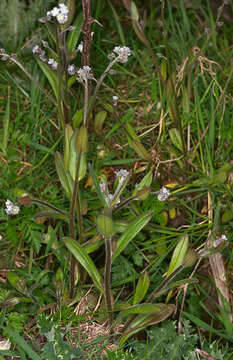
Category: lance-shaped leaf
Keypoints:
(84, 259)
(176, 138)
(73, 36)
(141, 309)
(50, 74)
(144, 183)
(64, 176)
(135, 143)
(99, 120)
(144, 320)
(67, 138)
(19, 340)
(141, 289)
(133, 229)
(178, 254)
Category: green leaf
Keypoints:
(141, 289)
(133, 229)
(134, 11)
(178, 254)
(144, 183)
(176, 138)
(99, 120)
(64, 176)
(50, 74)
(73, 36)
(81, 255)
(67, 138)
(141, 309)
(142, 320)
(17, 282)
(19, 340)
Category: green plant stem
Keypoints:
(59, 78)
(99, 83)
(85, 107)
(75, 199)
(45, 203)
(107, 278)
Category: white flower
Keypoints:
(123, 53)
(115, 100)
(71, 69)
(103, 187)
(63, 9)
(55, 11)
(53, 64)
(80, 47)
(36, 49)
(62, 18)
(219, 240)
(163, 194)
(84, 74)
(11, 208)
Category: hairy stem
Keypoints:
(59, 77)
(107, 278)
(75, 198)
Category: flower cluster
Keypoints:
(121, 175)
(11, 208)
(108, 197)
(163, 194)
(60, 13)
(84, 74)
(36, 50)
(123, 53)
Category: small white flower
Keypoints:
(122, 173)
(62, 18)
(219, 240)
(115, 100)
(11, 208)
(49, 13)
(80, 47)
(36, 49)
(103, 187)
(55, 11)
(63, 9)
(123, 53)
(71, 69)
(53, 63)
(163, 194)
